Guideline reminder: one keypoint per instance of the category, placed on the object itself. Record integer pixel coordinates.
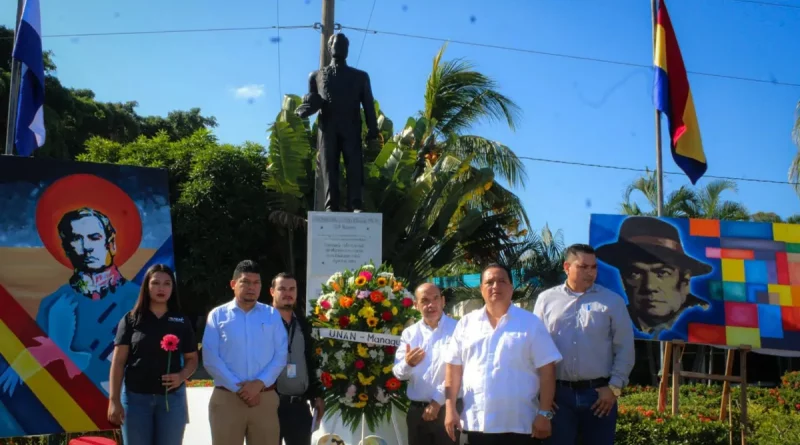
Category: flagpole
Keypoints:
(665, 348)
(13, 94)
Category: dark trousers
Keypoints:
(423, 432)
(294, 416)
(474, 438)
(332, 145)
(575, 418)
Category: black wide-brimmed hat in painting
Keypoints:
(649, 240)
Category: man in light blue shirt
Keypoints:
(245, 348)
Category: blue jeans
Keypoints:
(147, 421)
(575, 417)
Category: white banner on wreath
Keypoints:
(360, 337)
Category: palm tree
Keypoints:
(456, 98)
(706, 202)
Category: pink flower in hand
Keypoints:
(170, 343)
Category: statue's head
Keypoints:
(338, 45)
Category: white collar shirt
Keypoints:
(426, 379)
(500, 377)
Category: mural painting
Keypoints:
(725, 283)
(75, 240)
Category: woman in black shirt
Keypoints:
(151, 406)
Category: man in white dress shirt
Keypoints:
(245, 348)
(504, 359)
(419, 360)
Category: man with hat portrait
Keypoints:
(655, 273)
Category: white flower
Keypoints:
(381, 396)
(351, 281)
(345, 344)
(373, 354)
(388, 292)
(351, 391)
(380, 355)
(408, 294)
(324, 358)
(319, 373)
(387, 275)
(335, 277)
(368, 267)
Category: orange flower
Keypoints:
(398, 286)
(393, 384)
(376, 296)
(345, 301)
(322, 317)
(319, 351)
(360, 281)
(382, 281)
(335, 286)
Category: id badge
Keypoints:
(291, 370)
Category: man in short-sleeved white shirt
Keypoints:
(504, 360)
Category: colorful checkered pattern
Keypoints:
(759, 286)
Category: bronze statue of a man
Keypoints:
(338, 92)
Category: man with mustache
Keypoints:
(244, 349)
(419, 360)
(655, 273)
(297, 384)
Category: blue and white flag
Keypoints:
(30, 131)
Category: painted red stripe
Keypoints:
(782, 264)
(80, 388)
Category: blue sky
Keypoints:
(574, 110)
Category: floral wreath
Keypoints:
(357, 377)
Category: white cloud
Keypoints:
(249, 91)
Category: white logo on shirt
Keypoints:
(176, 319)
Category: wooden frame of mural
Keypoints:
(75, 240)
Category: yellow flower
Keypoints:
(353, 319)
(366, 311)
(340, 377)
(359, 404)
(387, 303)
(363, 397)
(331, 342)
(362, 351)
(381, 281)
(316, 310)
(360, 281)
(372, 322)
(395, 331)
(394, 311)
(365, 381)
(387, 369)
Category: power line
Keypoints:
(756, 2)
(645, 170)
(369, 20)
(564, 56)
(170, 31)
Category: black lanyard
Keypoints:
(290, 327)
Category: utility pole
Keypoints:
(13, 94)
(327, 32)
(324, 60)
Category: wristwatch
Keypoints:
(616, 390)
(547, 414)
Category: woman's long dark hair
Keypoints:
(143, 302)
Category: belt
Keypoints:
(265, 389)
(291, 399)
(418, 404)
(584, 384)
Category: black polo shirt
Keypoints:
(147, 362)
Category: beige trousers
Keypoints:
(232, 421)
